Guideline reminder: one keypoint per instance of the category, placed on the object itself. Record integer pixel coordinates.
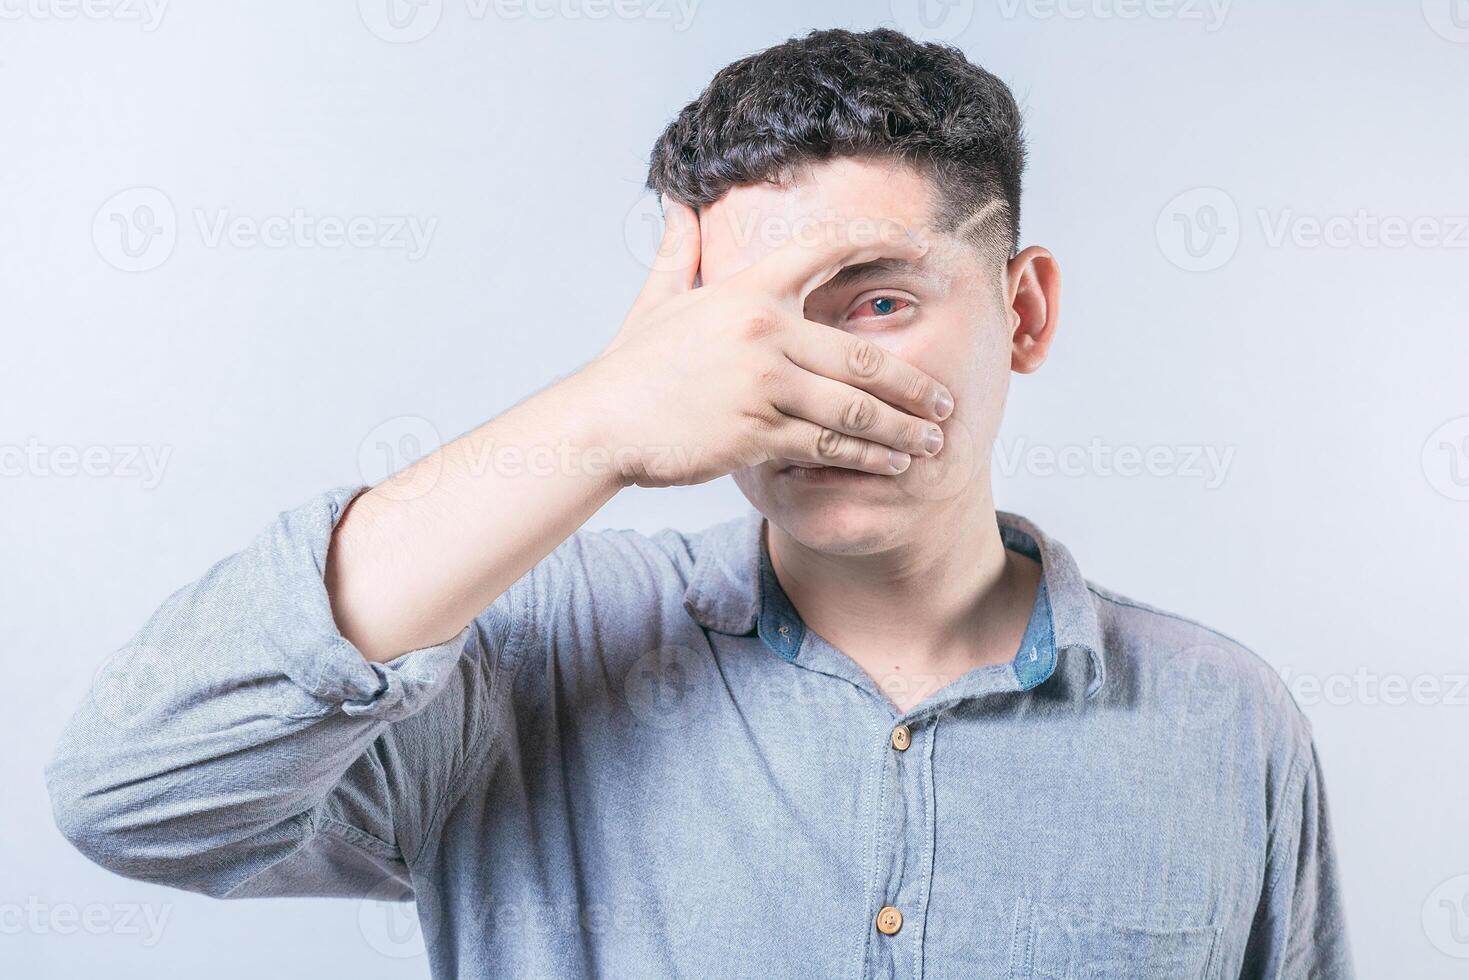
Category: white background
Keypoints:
(1334, 544)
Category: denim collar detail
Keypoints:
(1036, 660)
(779, 624)
(733, 590)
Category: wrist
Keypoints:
(604, 423)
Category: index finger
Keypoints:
(810, 259)
(860, 363)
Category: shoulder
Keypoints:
(627, 581)
(1172, 665)
(613, 552)
(609, 567)
(614, 559)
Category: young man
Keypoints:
(874, 729)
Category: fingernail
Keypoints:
(943, 403)
(898, 461)
(917, 237)
(933, 441)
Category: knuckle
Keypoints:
(917, 387)
(769, 377)
(759, 322)
(763, 419)
(859, 415)
(864, 358)
(829, 444)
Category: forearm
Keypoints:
(209, 747)
(697, 384)
(416, 558)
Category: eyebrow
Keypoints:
(856, 275)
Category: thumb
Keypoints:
(676, 265)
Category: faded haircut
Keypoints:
(875, 94)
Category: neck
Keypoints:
(919, 614)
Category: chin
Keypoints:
(837, 512)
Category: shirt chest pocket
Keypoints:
(1051, 944)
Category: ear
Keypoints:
(1033, 295)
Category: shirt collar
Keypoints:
(732, 577)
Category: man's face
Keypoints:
(946, 314)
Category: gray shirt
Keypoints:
(639, 762)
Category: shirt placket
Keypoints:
(903, 834)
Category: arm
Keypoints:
(419, 556)
(238, 745)
(699, 383)
(1299, 928)
(300, 712)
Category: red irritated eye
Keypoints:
(880, 306)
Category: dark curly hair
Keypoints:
(837, 93)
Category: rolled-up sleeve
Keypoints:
(240, 745)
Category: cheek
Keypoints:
(955, 356)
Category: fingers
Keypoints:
(676, 265)
(807, 442)
(807, 262)
(849, 411)
(862, 364)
